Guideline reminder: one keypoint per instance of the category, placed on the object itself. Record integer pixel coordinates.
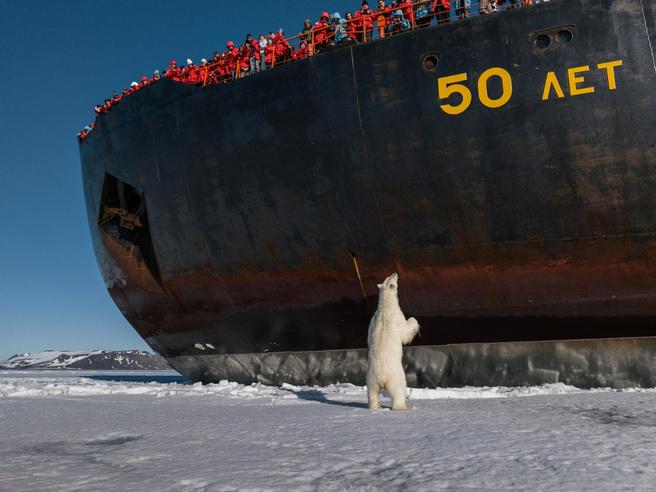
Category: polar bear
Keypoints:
(388, 332)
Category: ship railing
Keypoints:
(460, 10)
(294, 50)
(209, 74)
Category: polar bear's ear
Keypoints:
(380, 286)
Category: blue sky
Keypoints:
(59, 59)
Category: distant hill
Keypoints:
(87, 359)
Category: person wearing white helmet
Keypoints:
(191, 73)
(263, 43)
(134, 87)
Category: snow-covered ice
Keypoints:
(98, 433)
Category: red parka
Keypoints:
(191, 74)
(232, 57)
(281, 47)
(245, 56)
(173, 72)
(301, 53)
(223, 66)
(364, 21)
(269, 52)
(352, 28)
(321, 33)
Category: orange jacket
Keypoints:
(382, 16)
(364, 21)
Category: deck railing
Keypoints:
(309, 43)
(317, 40)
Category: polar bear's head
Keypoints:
(391, 284)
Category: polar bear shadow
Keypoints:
(318, 396)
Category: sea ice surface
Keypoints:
(93, 431)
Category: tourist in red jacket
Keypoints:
(232, 57)
(245, 59)
(365, 21)
(270, 52)
(302, 52)
(321, 31)
(190, 73)
(173, 72)
(250, 53)
(203, 72)
(351, 26)
(282, 50)
(223, 67)
(357, 29)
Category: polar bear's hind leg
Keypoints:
(373, 394)
(397, 391)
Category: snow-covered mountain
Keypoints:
(86, 359)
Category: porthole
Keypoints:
(542, 42)
(564, 36)
(552, 37)
(429, 62)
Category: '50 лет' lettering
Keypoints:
(574, 82)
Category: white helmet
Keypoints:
(189, 62)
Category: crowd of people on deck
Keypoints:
(267, 51)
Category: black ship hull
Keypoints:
(231, 222)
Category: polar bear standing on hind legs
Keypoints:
(388, 332)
